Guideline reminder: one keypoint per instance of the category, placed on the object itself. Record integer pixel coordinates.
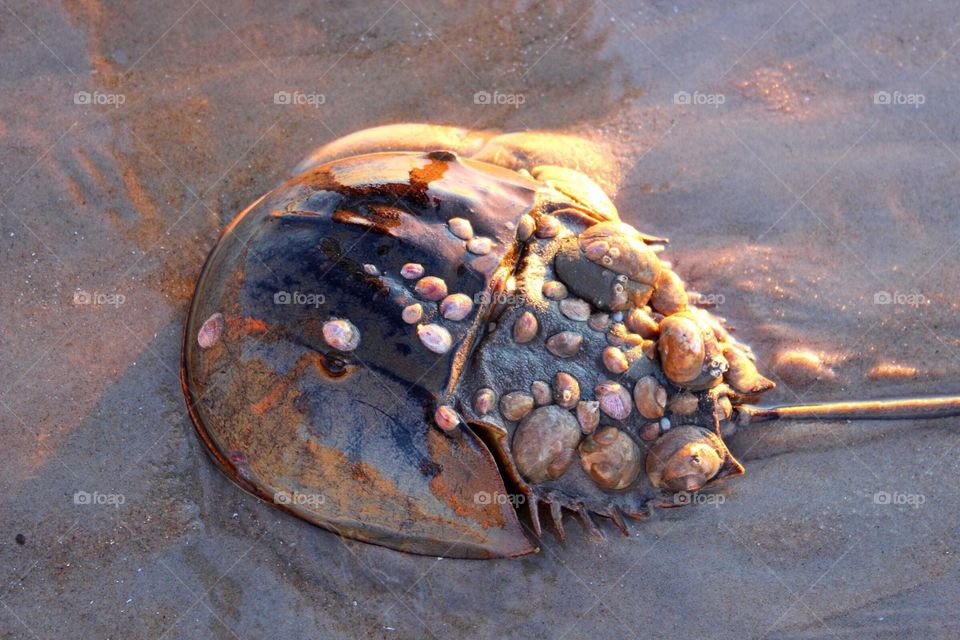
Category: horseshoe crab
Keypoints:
(427, 325)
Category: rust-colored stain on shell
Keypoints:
(237, 327)
(463, 488)
(421, 177)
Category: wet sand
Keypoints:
(802, 157)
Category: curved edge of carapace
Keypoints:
(374, 535)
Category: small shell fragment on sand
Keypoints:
(801, 367)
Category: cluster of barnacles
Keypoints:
(668, 367)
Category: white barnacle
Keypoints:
(434, 337)
(341, 334)
(456, 306)
(479, 246)
(431, 288)
(446, 418)
(461, 228)
(412, 314)
(411, 270)
(210, 332)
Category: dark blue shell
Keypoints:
(344, 439)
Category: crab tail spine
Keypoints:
(898, 409)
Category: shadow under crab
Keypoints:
(427, 321)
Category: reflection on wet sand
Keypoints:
(130, 198)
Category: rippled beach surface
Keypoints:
(802, 157)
